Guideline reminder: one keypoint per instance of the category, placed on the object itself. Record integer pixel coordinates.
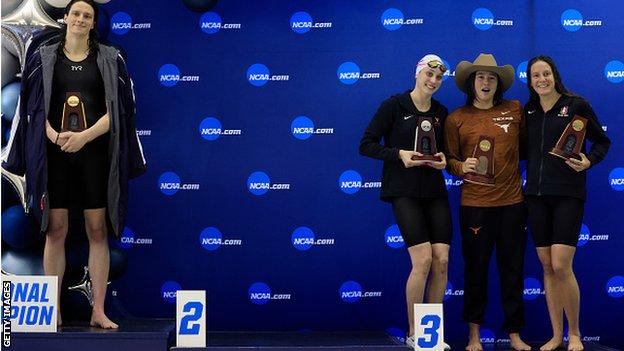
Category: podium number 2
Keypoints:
(186, 321)
(431, 322)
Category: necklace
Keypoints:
(81, 56)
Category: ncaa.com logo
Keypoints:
(351, 291)
(614, 71)
(585, 236)
(169, 75)
(128, 239)
(566, 338)
(349, 73)
(572, 20)
(615, 287)
(302, 128)
(169, 290)
(449, 292)
(259, 74)
(211, 239)
(301, 22)
(210, 129)
(487, 336)
(259, 293)
(121, 23)
(451, 181)
(532, 289)
(483, 19)
(303, 239)
(259, 183)
(169, 183)
(616, 179)
(350, 182)
(521, 71)
(211, 22)
(392, 19)
(393, 237)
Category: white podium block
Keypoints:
(428, 327)
(191, 318)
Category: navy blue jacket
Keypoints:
(27, 147)
(395, 122)
(550, 175)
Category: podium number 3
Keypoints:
(431, 322)
(185, 323)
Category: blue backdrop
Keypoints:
(250, 118)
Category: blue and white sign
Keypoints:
(521, 71)
(191, 318)
(32, 302)
(615, 286)
(614, 71)
(169, 291)
(483, 19)
(572, 20)
(428, 326)
(392, 19)
(532, 289)
(616, 179)
(393, 237)
(210, 22)
(350, 182)
(121, 23)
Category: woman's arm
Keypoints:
(76, 140)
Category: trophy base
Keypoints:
(564, 155)
(75, 130)
(479, 179)
(427, 158)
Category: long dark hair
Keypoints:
(471, 94)
(559, 87)
(93, 34)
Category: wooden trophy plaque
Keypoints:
(571, 141)
(74, 117)
(484, 172)
(425, 141)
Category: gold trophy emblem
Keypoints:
(74, 117)
(571, 141)
(425, 141)
(484, 172)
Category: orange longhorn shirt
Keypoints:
(505, 124)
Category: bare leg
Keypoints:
(439, 273)
(562, 256)
(99, 262)
(474, 338)
(553, 299)
(54, 250)
(420, 256)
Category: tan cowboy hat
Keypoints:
(484, 62)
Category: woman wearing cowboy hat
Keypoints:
(492, 212)
(415, 188)
(555, 190)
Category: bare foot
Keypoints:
(517, 343)
(474, 345)
(59, 320)
(520, 346)
(553, 344)
(574, 343)
(99, 320)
